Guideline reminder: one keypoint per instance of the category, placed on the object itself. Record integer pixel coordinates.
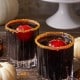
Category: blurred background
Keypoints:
(40, 10)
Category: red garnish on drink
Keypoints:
(22, 34)
(56, 43)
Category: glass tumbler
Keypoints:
(55, 62)
(3, 55)
(21, 47)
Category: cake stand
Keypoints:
(63, 18)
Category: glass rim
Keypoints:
(21, 20)
(43, 35)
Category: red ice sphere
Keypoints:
(56, 43)
(22, 33)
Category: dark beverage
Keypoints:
(55, 63)
(1, 48)
(21, 46)
(20, 50)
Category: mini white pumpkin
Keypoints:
(8, 10)
(7, 71)
(77, 48)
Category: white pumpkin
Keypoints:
(8, 10)
(77, 48)
(7, 71)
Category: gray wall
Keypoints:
(29, 8)
(33, 8)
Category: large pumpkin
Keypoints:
(7, 71)
(77, 48)
(8, 10)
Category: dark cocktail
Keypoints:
(1, 47)
(55, 55)
(20, 36)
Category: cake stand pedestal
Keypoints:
(63, 18)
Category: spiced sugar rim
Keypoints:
(51, 48)
(21, 20)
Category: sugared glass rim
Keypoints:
(43, 35)
(21, 20)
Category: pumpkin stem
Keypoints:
(0, 65)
